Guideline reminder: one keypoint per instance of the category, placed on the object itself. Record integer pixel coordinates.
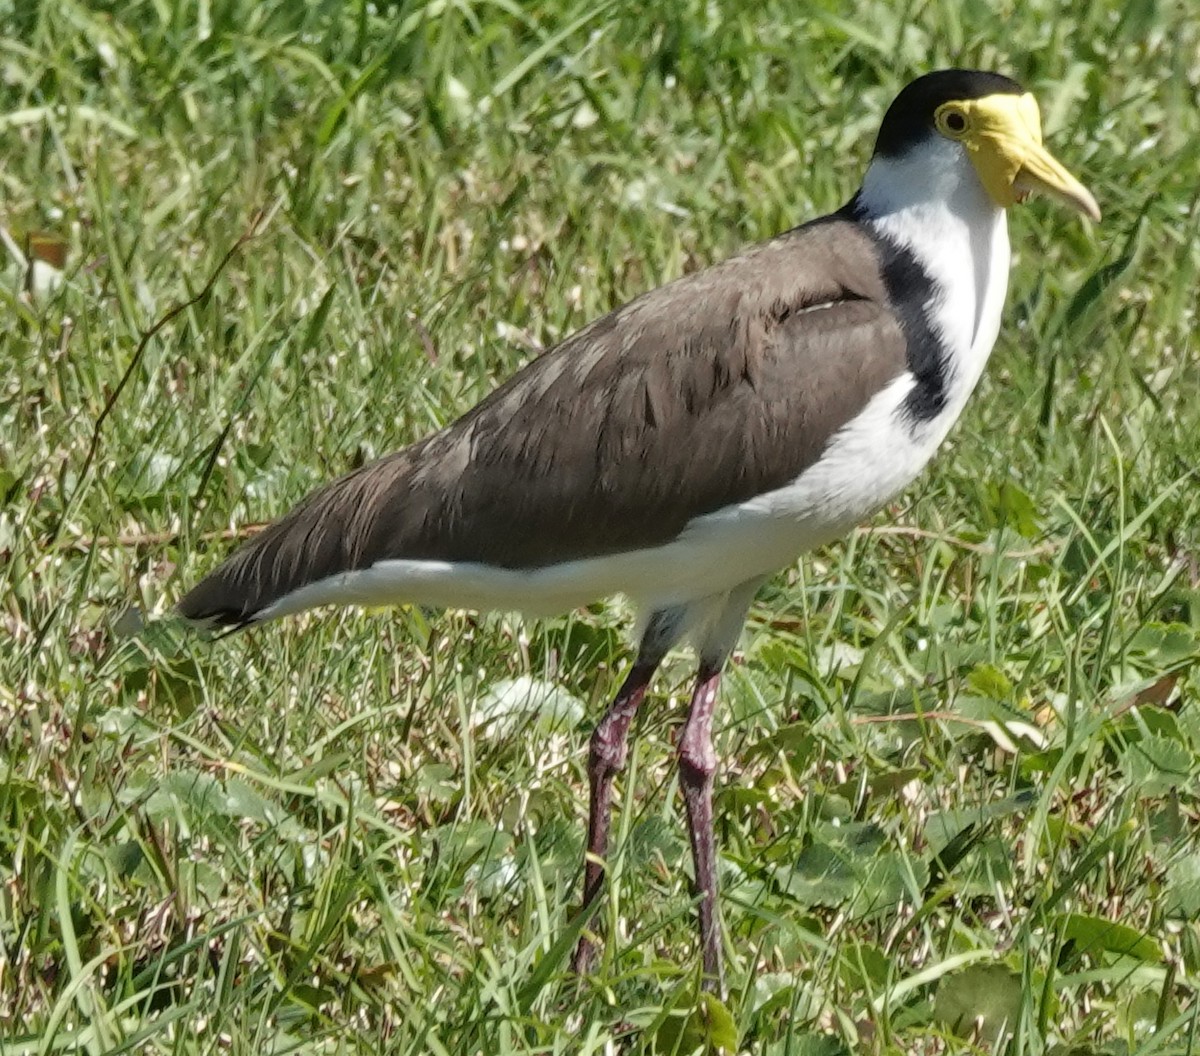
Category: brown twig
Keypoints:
(135, 540)
(427, 342)
(912, 716)
(139, 352)
(985, 725)
(1045, 550)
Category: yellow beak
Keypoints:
(1004, 139)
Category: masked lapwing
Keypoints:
(685, 446)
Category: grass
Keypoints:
(958, 808)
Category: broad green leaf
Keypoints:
(982, 1001)
(820, 876)
(794, 741)
(706, 1028)
(1096, 935)
(1007, 506)
(989, 681)
(809, 1045)
(1183, 888)
(1155, 765)
(865, 882)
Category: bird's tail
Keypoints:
(330, 532)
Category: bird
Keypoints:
(689, 444)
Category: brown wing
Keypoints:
(705, 392)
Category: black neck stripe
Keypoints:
(912, 291)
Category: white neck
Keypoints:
(931, 201)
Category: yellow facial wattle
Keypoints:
(1003, 137)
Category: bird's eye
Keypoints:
(951, 121)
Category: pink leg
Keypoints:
(606, 757)
(697, 765)
(607, 752)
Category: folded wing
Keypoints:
(706, 392)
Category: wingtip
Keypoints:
(202, 613)
(214, 626)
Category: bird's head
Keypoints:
(997, 125)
